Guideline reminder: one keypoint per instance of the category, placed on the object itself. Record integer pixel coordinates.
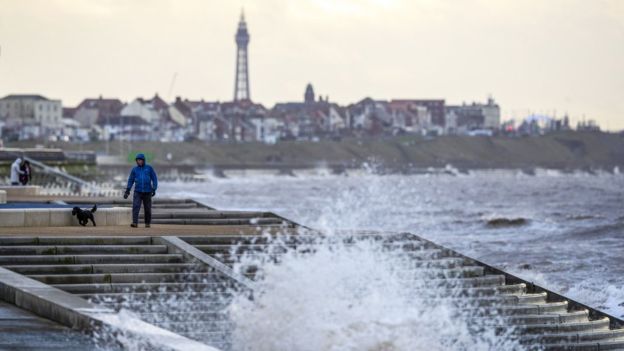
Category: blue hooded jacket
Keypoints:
(143, 178)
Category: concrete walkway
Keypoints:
(155, 230)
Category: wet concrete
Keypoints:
(22, 330)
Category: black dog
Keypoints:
(84, 215)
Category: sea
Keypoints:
(561, 230)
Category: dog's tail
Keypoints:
(94, 208)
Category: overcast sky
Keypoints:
(543, 56)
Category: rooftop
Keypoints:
(24, 97)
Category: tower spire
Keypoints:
(241, 82)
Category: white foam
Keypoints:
(351, 298)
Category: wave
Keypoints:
(612, 229)
(502, 222)
(357, 296)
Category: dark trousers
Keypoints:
(146, 199)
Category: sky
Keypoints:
(533, 56)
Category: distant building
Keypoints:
(90, 111)
(128, 128)
(436, 108)
(464, 118)
(587, 126)
(73, 131)
(370, 117)
(69, 112)
(308, 119)
(152, 110)
(167, 122)
(409, 117)
(206, 118)
(31, 116)
(244, 121)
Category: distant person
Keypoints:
(25, 177)
(145, 183)
(16, 171)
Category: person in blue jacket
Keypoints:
(145, 182)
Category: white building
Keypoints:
(35, 111)
(475, 116)
(142, 108)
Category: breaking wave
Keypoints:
(330, 295)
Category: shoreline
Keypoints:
(566, 151)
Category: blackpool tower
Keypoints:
(241, 84)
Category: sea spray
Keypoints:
(331, 294)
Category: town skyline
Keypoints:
(281, 64)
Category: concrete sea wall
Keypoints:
(61, 217)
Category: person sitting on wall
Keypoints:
(26, 176)
(16, 171)
(145, 182)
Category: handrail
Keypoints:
(56, 172)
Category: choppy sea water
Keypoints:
(572, 241)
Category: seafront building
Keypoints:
(30, 116)
(474, 117)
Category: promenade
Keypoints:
(178, 277)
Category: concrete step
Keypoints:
(571, 338)
(164, 205)
(218, 314)
(460, 283)
(240, 249)
(108, 268)
(569, 317)
(310, 240)
(230, 239)
(22, 330)
(173, 316)
(228, 221)
(537, 298)
(158, 214)
(277, 248)
(452, 262)
(586, 326)
(495, 300)
(211, 293)
(125, 288)
(515, 289)
(214, 323)
(89, 259)
(74, 240)
(166, 308)
(185, 205)
(110, 278)
(162, 311)
(81, 249)
(543, 308)
(615, 345)
(417, 255)
(207, 337)
(450, 273)
(316, 239)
